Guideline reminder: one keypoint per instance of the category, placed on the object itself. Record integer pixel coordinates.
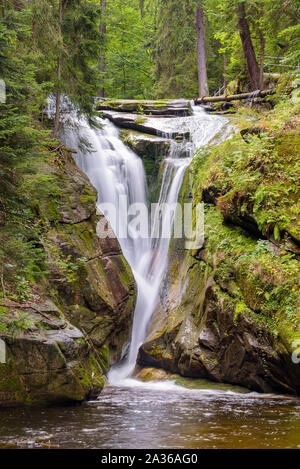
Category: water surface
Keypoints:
(159, 416)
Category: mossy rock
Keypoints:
(153, 150)
(53, 366)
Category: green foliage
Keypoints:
(23, 289)
(175, 50)
(129, 50)
(77, 42)
(3, 325)
(175, 41)
(263, 284)
(69, 268)
(277, 20)
(31, 41)
(20, 322)
(21, 143)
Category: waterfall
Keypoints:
(116, 171)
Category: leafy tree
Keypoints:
(102, 30)
(272, 28)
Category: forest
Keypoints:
(166, 102)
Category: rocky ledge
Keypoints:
(164, 107)
(141, 123)
(213, 320)
(51, 363)
(153, 150)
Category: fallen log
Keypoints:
(233, 97)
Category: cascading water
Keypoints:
(160, 414)
(116, 172)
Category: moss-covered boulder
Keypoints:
(45, 359)
(253, 179)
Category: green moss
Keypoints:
(104, 358)
(152, 150)
(87, 199)
(80, 341)
(51, 210)
(125, 273)
(256, 178)
(140, 120)
(240, 308)
(129, 135)
(10, 381)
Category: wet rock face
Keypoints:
(208, 341)
(152, 150)
(59, 345)
(100, 300)
(198, 330)
(140, 123)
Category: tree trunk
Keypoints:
(34, 38)
(225, 73)
(201, 58)
(102, 29)
(248, 49)
(58, 93)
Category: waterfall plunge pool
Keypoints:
(159, 416)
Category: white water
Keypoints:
(116, 171)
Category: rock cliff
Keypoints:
(59, 341)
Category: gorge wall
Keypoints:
(229, 311)
(61, 340)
